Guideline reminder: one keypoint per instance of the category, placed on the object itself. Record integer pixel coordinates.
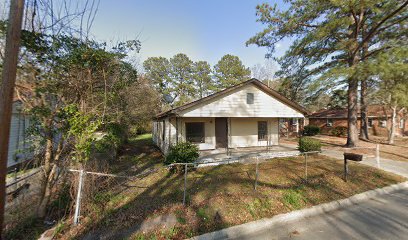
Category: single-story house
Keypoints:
(379, 117)
(245, 115)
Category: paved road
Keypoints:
(384, 217)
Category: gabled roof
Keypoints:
(253, 81)
(375, 110)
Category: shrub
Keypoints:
(339, 131)
(184, 152)
(311, 130)
(309, 144)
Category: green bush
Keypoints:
(184, 152)
(339, 131)
(311, 130)
(309, 144)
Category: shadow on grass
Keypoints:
(235, 182)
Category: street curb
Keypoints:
(259, 225)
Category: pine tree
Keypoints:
(230, 71)
(330, 39)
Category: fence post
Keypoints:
(256, 172)
(377, 155)
(306, 167)
(185, 184)
(78, 199)
(345, 169)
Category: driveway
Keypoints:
(382, 217)
(397, 167)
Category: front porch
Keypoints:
(244, 155)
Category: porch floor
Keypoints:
(245, 155)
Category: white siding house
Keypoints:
(18, 145)
(245, 115)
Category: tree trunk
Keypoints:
(391, 134)
(363, 93)
(352, 130)
(363, 104)
(45, 182)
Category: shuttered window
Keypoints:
(250, 98)
(262, 131)
(195, 132)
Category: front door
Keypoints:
(221, 133)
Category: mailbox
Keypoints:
(353, 157)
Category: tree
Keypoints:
(392, 72)
(202, 78)
(158, 70)
(74, 91)
(182, 78)
(338, 99)
(264, 72)
(330, 38)
(230, 71)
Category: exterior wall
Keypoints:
(18, 149)
(375, 130)
(234, 104)
(209, 131)
(322, 123)
(244, 132)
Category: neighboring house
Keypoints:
(379, 118)
(18, 150)
(245, 115)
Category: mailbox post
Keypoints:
(352, 157)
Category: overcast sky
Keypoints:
(204, 30)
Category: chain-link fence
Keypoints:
(97, 194)
(22, 196)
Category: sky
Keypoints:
(204, 30)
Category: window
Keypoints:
(401, 123)
(329, 122)
(262, 131)
(370, 122)
(250, 98)
(195, 132)
(383, 123)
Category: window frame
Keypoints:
(265, 133)
(369, 122)
(191, 138)
(401, 123)
(383, 121)
(329, 122)
(250, 99)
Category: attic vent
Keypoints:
(250, 98)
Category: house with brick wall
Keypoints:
(379, 119)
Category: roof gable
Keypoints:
(232, 102)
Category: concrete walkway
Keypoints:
(382, 217)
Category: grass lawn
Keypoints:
(398, 151)
(219, 196)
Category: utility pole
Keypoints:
(6, 93)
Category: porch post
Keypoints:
(228, 135)
(297, 125)
(177, 133)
